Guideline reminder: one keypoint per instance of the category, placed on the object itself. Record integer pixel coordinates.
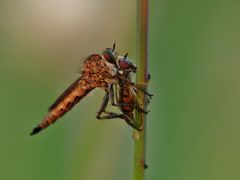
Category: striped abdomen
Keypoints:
(79, 89)
(127, 97)
(95, 71)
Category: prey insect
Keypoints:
(124, 94)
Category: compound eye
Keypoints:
(124, 64)
(107, 56)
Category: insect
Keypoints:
(106, 71)
(96, 72)
(124, 94)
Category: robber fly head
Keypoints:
(109, 55)
(126, 64)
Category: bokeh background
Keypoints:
(193, 130)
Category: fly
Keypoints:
(96, 72)
(112, 73)
(124, 94)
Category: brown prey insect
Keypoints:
(124, 94)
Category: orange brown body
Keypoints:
(95, 73)
(128, 98)
(123, 94)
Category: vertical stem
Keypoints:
(142, 64)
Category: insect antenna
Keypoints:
(114, 46)
(125, 56)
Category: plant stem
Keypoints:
(142, 64)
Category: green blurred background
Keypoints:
(193, 127)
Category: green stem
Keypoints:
(142, 62)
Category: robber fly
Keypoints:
(124, 94)
(96, 72)
(105, 72)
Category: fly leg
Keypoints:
(137, 107)
(112, 91)
(108, 94)
(111, 115)
(140, 109)
(141, 87)
(113, 94)
(103, 105)
(125, 117)
(130, 121)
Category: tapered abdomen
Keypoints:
(95, 71)
(78, 90)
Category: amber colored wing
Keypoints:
(65, 93)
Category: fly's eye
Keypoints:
(109, 55)
(124, 64)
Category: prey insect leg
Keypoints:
(113, 96)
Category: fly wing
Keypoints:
(136, 92)
(86, 68)
(65, 93)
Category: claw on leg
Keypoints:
(148, 76)
(141, 110)
(141, 87)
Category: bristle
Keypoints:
(36, 130)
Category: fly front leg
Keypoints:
(113, 94)
(109, 93)
(103, 105)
